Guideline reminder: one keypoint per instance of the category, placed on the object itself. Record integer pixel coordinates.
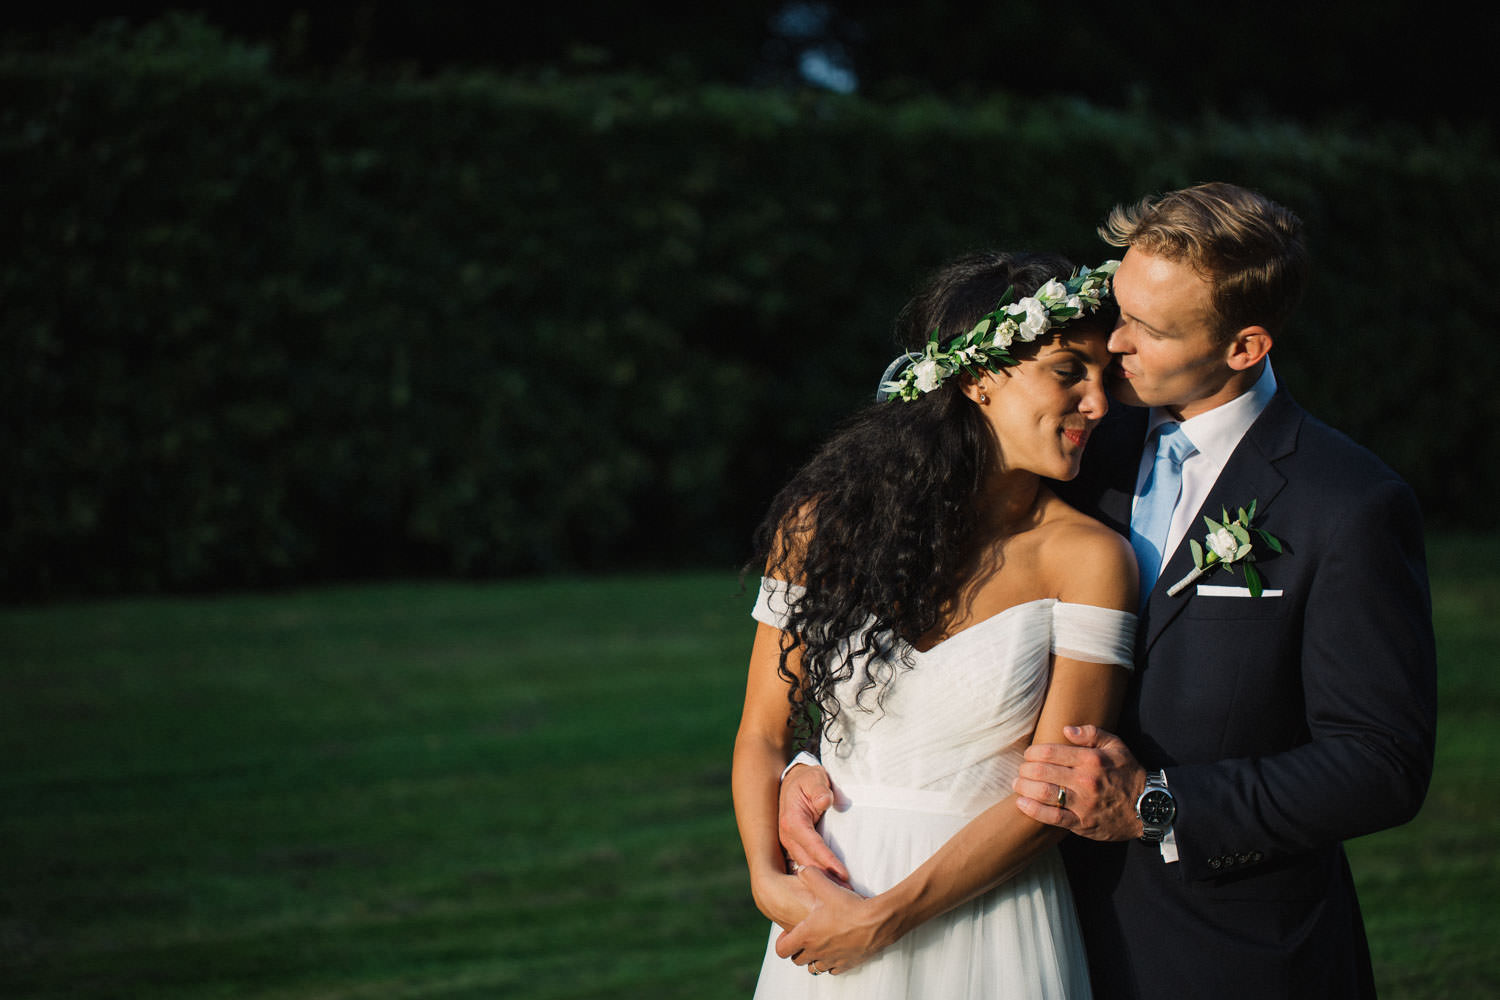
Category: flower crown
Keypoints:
(987, 345)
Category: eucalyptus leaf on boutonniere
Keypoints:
(1229, 544)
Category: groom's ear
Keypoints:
(1248, 347)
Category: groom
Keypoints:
(1258, 732)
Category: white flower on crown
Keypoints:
(928, 374)
(987, 344)
(1053, 291)
(1033, 318)
(1005, 332)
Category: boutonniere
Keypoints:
(1229, 543)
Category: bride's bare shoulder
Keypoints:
(1087, 562)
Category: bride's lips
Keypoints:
(1079, 438)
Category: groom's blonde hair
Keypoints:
(1249, 248)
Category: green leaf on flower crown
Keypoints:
(1271, 540)
(1253, 581)
(1197, 552)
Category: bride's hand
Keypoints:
(842, 930)
(784, 899)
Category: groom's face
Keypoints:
(1166, 350)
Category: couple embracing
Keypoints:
(1070, 739)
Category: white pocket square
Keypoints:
(1210, 590)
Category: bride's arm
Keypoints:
(762, 748)
(843, 929)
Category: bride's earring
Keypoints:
(984, 400)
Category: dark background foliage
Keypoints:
(1378, 61)
(270, 322)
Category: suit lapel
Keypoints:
(1250, 474)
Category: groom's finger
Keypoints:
(1047, 771)
(1058, 753)
(1053, 765)
(1043, 812)
(806, 847)
(805, 796)
(1086, 736)
(1049, 788)
(1108, 746)
(820, 860)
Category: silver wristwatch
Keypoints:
(1156, 808)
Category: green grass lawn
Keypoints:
(511, 790)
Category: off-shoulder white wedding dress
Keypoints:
(943, 745)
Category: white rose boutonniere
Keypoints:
(1222, 543)
(1229, 543)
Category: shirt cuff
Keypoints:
(1169, 839)
(1168, 846)
(803, 757)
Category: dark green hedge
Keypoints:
(262, 330)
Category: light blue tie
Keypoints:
(1152, 519)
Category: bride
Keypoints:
(929, 608)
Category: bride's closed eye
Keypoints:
(1070, 374)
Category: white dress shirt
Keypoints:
(1215, 435)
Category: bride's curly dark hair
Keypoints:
(880, 526)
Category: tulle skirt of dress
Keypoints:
(1020, 940)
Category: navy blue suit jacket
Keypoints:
(1285, 724)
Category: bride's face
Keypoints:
(1043, 409)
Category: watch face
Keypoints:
(1157, 807)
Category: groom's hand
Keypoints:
(805, 796)
(1100, 780)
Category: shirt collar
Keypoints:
(1216, 433)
